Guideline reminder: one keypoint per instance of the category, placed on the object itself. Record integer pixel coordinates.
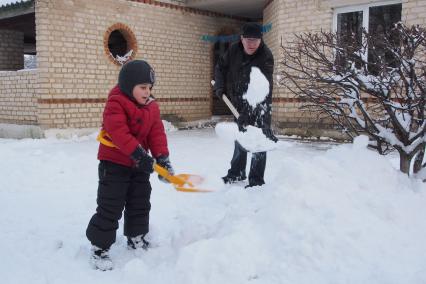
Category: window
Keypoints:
(376, 19)
(120, 44)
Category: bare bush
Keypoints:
(374, 86)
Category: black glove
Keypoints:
(218, 93)
(269, 134)
(164, 161)
(143, 161)
(243, 120)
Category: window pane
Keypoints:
(381, 21)
(349, 25)
(382, 18)
(349, 37)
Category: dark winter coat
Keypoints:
(129, 124)
(232, 75)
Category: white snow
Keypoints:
(4, 2)
(360, 141)
(123, 59)
(328, 214)
(228, 131)
(258, 87)
(168, 126)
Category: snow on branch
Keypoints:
(376, 86)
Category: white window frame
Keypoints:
(365, 9)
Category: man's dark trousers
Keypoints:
(257, 166)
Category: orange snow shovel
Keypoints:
(181, 182)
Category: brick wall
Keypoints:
(289, 18)
(414, 12)
(75, 74)
(18, 102)
(11, 50)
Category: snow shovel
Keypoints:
(181, 182)
(237, 115)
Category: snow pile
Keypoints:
(258, 87)
(252, 139)
(327, 214)
(168, 126)
(71, 133)
(360, 142)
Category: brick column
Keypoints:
(11, 50)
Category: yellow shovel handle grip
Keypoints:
(101, 138)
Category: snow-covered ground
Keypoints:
(328, 214)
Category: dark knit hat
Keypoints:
(252, 30)
(133, 73)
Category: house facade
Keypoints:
(80, 45)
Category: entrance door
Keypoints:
(219, 49)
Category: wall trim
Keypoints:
(103, 100)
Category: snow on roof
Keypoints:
(10, 3)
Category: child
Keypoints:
(132, 126)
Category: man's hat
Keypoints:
(252, 30)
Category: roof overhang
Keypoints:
(17, 9)
(252, 9)
(20, 16)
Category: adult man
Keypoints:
(232, 76)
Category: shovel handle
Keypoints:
(228, 103)
(230, 106)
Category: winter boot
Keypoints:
(229, 179)
(253, 184)
(100, 259)
(138, 242)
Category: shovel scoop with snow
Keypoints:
(253, 139)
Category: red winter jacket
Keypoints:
(129, 124)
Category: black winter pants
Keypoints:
(257, 166)
(120, 188)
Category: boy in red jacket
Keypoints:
(131, 121)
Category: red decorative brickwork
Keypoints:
(70, 101)
(369, 100)
(164, 100)
(98, 101)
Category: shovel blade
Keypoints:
(182, 182)
(191, 189)
(193, 179)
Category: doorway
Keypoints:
(223, 42)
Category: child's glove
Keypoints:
(164, 161)
(143, 161)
